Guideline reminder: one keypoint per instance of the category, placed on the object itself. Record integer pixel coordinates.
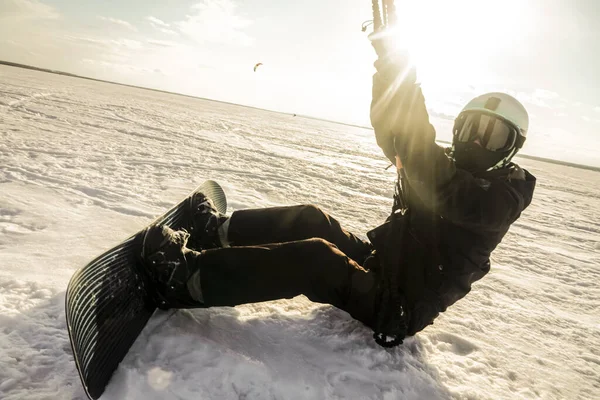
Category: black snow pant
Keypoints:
(283, 252)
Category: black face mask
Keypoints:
(475, 159)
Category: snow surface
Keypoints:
(85, 164)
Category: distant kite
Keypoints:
(256, 66)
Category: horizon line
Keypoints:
(69, 74)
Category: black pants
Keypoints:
(283, 252)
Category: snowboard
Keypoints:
(109, 301)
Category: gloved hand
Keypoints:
(392, 59)
(382, 42)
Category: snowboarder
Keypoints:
(452, 208)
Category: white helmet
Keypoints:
(500, 105)
(497, 122)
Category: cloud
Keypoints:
(26, 9)
(118, 22)
(168, 31)
(542, 98)
(157, 22)
(120, 67)
(161, 25)
(597, 109)
(161, 43)
(110, 43)
(545, 94)
(127, 43)
(86, 40)
(215, 21)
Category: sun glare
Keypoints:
(451, 42)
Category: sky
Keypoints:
(317, 62)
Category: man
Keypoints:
(461, 201)
(451, 209)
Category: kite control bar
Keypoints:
(383, 15)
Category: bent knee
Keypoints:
(311, 213)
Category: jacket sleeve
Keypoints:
(401, 122)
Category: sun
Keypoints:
(453, 41)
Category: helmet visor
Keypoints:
(494, 133)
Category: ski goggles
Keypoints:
(494, 132)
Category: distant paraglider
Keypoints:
(256, 66)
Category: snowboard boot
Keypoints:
(205, 223)
(170, 264)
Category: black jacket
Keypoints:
(456, 219)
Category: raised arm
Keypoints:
(400, 119)
(402, 128)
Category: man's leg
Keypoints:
(313, 267)
(287, 224)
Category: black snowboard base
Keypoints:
(109, 301)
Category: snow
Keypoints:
(84, 164)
